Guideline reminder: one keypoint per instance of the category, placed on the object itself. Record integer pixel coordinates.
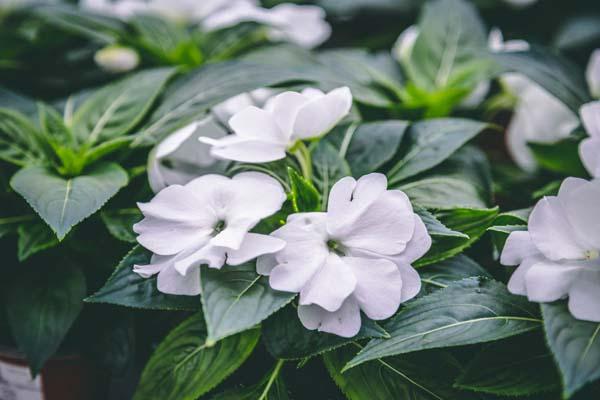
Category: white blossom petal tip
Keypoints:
(354, 257)
(589, 149)
(559, 256)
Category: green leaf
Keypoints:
(450, 48)
(424, 376)
(463, 180)
(559, 77)
(17, 101)
(474, 310)
(126, 288)
(190, 96)
(428, 143)
(19, 139)
(561, 156)
(286, 338)
(305, 197)
(34, 238)
(63, 203)
(444, 273)
(578, 32)
(271, 387)
(575, 345)
(120, 223)
(10, 225)
(470, 221)
(184, 367)
(435, 227)
(116, 109)
(236, 298)
(329, 167)
(41, 305)
(373, 144)
(520, 366)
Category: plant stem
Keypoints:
(274, 375)
(304, 159)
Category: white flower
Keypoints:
(520, 3)
(117, 59)
(356, 256)
(592, 74)
(589, 149)
(206, 221)
(263, 135)
(538, 117)
(558, 256)
(404, 44)
(304, 25)
(225, 110)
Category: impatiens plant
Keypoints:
(195, 203)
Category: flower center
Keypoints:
(336, 247)
(219, 226)
(592, 255)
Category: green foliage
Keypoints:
(63, 203)
(520, 366)
(184, 366)
(561, 157)
(286, 338)
(34, 238)
(444, 273)
(271, 387)
(236, 298)
(305, 197)
(120, 223)
(126, 288)
(474, 310)
(422, 376)
(575, 345)
(41, 306)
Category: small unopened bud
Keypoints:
(117, 59)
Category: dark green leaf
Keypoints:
(271, 387)
(474, 310)
(184, 367)
(561, 157)
(286, 337)
(373, 144)
(442, 274)
(435, 227)
(424, 376)
(120, 223)
(114, 110)
(126, 288)
(329, 167)
(470, 221)
(33, 238)
(236, 298)
(62, 202)
(41, 306)
(19, 139)
(428, 143)
(575, 345)
(305, 197)
(519, 366)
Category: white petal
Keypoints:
(517, 283)
(378, 286)
(320, 115)
(236, 148)
(233, 235)
(548, 281)
(344, 322)
(404, 44)
(175, 140)
(265, 264)
(297, 263)
(417, 247)
(254, 245)
(385, 227)
(157, 264)
(332, 283)
(584, 296)
(589, 151)
(304, 25)
(517, 248)
(170, 281)
(569, 185)
(225, 110)
(284, 108)
(256, 196)
(592, 73)
(551, 231)
(257, 124)
(582, 206)
(411, 282)
(349, 198)
(212, 256)
(590, 117)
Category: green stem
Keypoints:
(304, 159)
(272, 378)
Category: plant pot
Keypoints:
(64, 377)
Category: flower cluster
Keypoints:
(354, 257)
